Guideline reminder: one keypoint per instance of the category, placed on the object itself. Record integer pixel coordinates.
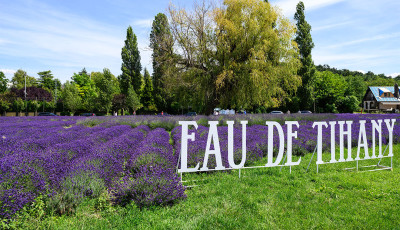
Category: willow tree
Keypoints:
(257, 55)
(238, 56)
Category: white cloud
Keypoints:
(374, 38)
(8, 72)
(332, 25)
(394, 74)
(326, 57)
(143, 23)
(289, 6)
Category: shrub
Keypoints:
(89, 122)
(152, 185)
(148, 159)
(73, 190)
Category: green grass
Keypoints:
(266, 198)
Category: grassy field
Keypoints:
(267, 198)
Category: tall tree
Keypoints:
(237, 56)
(107, 90)
(3, 82)
(83, 82)
(18, 80)
(46, 80)
(161, 41)
(307, 70)
(71, 97)
(131, 66)
(87, 89)
(147, 95)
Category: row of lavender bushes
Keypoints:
(63, 163)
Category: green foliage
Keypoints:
(147, 95)
(63, 203)
(3, 82)
(35, 105)
(223, 64)
(307, 70)
(19, 105)
(107, 90)
(34, 212)
(72, 100)
(161, 41)
(103, 202)
(356, 86)
(348, 104)
(73, 191)
(148, 159)
(167, 125)
(18, 80)
(4, 105)
(85, 86)
(89, 122)
(90, 102)
(131, 66)
(203, 121)
(329, 88)
(132, 100)
(46, 80)
(119, 102)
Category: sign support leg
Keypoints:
(284, 160)
(391, 163)
(311, 159)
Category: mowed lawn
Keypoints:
(267, 198)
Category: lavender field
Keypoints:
(64, 160)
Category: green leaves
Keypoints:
(72, 99)
(132, 100)
(147, 95)
(3, 82)
(18, 80)
(131, 66)
(161, 41)
(307, 70)
(238, 56)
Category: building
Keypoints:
(381, 98)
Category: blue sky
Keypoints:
(65, 36)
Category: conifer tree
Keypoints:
(161, 42)
(147, 95)
(307, 70)
(131, 66)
